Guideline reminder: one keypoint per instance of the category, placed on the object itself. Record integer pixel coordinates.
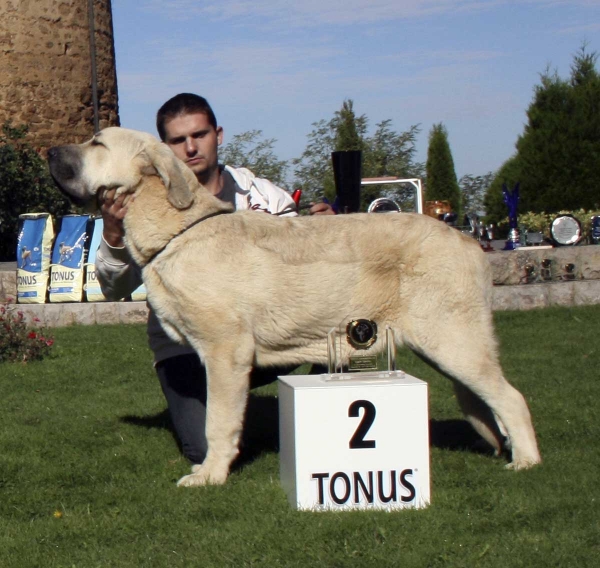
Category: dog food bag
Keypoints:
(93, 293)
(68, 257)
(34, 245)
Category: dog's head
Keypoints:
(118, 158)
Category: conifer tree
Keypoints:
(442, 184)
(558, 155)
(346, 132)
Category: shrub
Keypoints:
(19, 341)
(540, 222)
(25, 187)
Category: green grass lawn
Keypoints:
(88, 467)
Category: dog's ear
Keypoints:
(177, 177)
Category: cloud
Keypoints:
(312, 12)
(580, 28)
(440, 57)
(259, 71)
(280, 66)
(246, 69)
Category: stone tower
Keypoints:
(57, 68)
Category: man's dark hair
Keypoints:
(183, 103)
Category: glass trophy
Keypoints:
(512, 201)
(349, 351)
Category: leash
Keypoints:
(196, 222)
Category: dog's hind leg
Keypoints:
(512, 417)
(481, 417)
(467, 354)
(228, 368)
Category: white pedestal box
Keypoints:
(360, 442)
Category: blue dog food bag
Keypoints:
(34, 244)
(93, 292)
(68, 257)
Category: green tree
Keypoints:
(388, 153)
(347, 135)
(509, 174)
(473, 190)
(557, 161)
(385, 153)
(441, 177)
(25, 187)
(249, 150)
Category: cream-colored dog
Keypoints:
(247, 288)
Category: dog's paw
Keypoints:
(202, 476)
(192, 480)
(517, 465)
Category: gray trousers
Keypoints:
(183, 382)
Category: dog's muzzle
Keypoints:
(65, 165)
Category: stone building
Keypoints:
(57, 68)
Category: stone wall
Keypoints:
(45, 69)
(8, 284)
(538, 265)
(519, 278)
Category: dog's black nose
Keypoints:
(62, 164)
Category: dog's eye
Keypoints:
(96, 142)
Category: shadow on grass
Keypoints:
(260, 435)
(457, 435)
(160, 420)
(261, 431)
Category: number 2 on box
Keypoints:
(358, 439)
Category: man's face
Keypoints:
(195, 141)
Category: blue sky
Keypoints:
(279, 65)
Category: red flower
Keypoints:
(50, 342)
(32, 335)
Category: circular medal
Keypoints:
(361, 333)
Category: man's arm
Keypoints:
(276, 198)
(118, 275)
(321, 208)
(283, 200)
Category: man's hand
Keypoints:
(321, 209)
(113, 212)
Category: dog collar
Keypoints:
(196, 222)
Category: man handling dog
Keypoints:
(187, 124)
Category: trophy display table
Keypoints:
(354, 441)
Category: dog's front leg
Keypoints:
(228, 384)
